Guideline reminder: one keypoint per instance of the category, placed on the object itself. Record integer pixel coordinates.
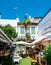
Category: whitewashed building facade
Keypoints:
(31, 29)
(12, 22)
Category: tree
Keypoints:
(28, 36)
(25, 23)
(47, 54)
(9, 31)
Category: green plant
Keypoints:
(28, 36)
(9, 31)
(47, 54)
(21, 39)
(26, 22)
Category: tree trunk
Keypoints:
(26, 33)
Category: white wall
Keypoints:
(35, 35)
(8, 21)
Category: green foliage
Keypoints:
(9, 31)
(21, 39)
(28, 36)
(26, 22)
(23, 55)
(47, 53)
(7, 60)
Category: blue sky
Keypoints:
(11, 9)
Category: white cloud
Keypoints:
(15, 8)
(26, 14)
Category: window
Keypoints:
(28, 29)
(21, 30)
(32, 30)
(22, 37)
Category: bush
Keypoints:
(47, 54)
(23, 55)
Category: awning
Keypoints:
(21, 42)
(38, 40)
(4, 41)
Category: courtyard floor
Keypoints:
(25, 61)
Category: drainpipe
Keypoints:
(39, 55)
(39, 58)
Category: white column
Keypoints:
(30, 29)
